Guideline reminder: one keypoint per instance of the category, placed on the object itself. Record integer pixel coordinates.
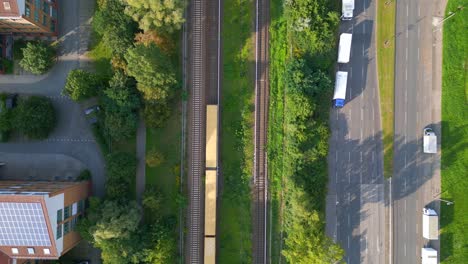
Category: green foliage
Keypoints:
(121, 168)
(154, 158)
(81, 85)
(37, 57)
(113, 228)
(85, 175)
(153, 71)
(159, 15)
(164, 247)
(35, 117)
(454, 160)
(120, 125)
(152, 199)
(312, 24)
(156, 113)
(115, 26)
(6, 65)
(300, 92)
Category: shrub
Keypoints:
(81, 85)
(37, 57)
(154, 158)
(35, 117)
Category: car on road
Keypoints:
(91, 114)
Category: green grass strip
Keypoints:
(454, 164)
(386, 75)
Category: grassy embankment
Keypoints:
(386, 73)
(234, 232)
(278, 55)
(454, 222)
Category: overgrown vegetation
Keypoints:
(302, 58)
(133, 74)
(235, 230)
(38, 57)
(386, 74)
(454, 164)
(34, 117)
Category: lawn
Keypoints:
(166, 177)
(235, 231)
(386, 71)
(278, 55)
(454, 164)
(101, 55)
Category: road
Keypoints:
(416, 180)
(72, 135)
(355, 201)
(260, 200)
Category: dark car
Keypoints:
(92, 114)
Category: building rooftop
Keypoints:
(10, 8)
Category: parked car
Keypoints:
(91, 114)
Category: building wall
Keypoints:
(39, 16)
(54, 204)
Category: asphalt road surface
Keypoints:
(355, 204)
(416, 181)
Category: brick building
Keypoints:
(38, 219)
(28, 17)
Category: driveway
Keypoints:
(72, 136)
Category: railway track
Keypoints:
(197, 108)
(261, 121)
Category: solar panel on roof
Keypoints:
(23, 224)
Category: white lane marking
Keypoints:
(404, 247)
(364, 10)
(349, 178)
(373, 153)
(364, 28)
(361, 155)
(405, 160)
(419, 11)
(373, 113)
(407, 10)
(365, 237)
(360, 177)
(360, 133)
(362, 74)
(378, 245)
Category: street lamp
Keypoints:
(450, 14)
(446, 201)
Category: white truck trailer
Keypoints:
(428, 256)
(430, 224)
(344, 48)
(347, 9)
(429, 141)
(339, 95)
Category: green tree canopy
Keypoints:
(114, 25)
(153, 71)
(120, 124)
(81, 85)
(156, 113)
(121, 169)
(121, 93)
(37, 57)
(35, 117)
(159, 15)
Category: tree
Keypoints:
(121, 93)
(81, 85)
(159, 15)
(113, 227)
(154, 158)
(35, 117)
(121, 168)
(120, 124)
(152, 200)
(155, 113)
(163, 41)
(116, 28)
(152, 70)
(37, 57)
